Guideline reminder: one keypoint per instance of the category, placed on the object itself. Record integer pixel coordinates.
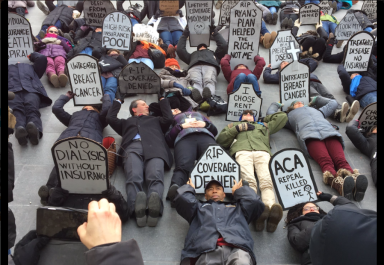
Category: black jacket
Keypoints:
(62, 13)
(115, 67)
(362, 18)
(93, 39)
(150, 8)
(208, 220)
(320, 30)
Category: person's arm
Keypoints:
(39, 63)
(227, 135)
(345, 78)
(119, 5)
(122, 60)
(170, 137)
(186, 203)
(97, 52)
(222, 46)
(226, 68)
(210, 126)
(167, 118)
(181, 49)
(250, 202)
(299, 239)
(276, 121)
(357, 138)
(185, 91)
(104, 109)
(80, 34)
(260, 63)
(58, 109)
(270, 78)
(321, 31)
(181, 3)
(329, 108)
(335, 200)
(144, 11)
(311, 63)
(63, 44)
(80, 6)
(116, 123)
(296, 27)
(274, 108)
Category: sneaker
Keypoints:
(154, 207)
(196, 95)
(21, 135)
(274, 218)
(33, 133)
(341, 114)
(42, 7)
(361, 185)
(290, 23)
(206, 93)
(274, 18)
(43, 193)
(353, 111)
(331, 38)
(284, 23)
(268, 18)
(140, 207)
(172, 193)
(344, 186)
(260, 222)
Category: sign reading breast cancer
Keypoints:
(199, 17)
(278, 51)
(348, 26)
(325, 7)
(117, 31)
(20, 43)
(169, 7)
(309, 14)
(370, 8)
(368, 118)
(96, 11)
(358, 53)
(225, 11)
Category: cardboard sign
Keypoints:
(225, 11)
(292, 178)
(245, 98)
(244, 33)
(82, 165)
(278, 50)
(95, 11)
(169, 7)
(368, 118)
(85, 80)
(370, 7)
(20, 43)
(216, 164)
(358, 53)
(145, 33)
(309, 14)
(139, 78)
(325, 7)
(294, 84)
(117, 31)
(199, 16)
(348, 26)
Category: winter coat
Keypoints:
(168, 24)
(255, 140)
(62, 13)
(327, 17)
(270, 3)
(300, 39)
(93, 39)
(230, 75)
(150, 8)
(16, 4)
(150, 128)
(353, 230)
(210, 220)
(11, 229)
(25, 76)
(67, 3)
(115, 68)
(54, 50)
(288, 5)
(362, 17)
(87, 123)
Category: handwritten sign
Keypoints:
(245, 98)
(244, 33)
(82, 165)
(278, 50)
(95, 11)
(348, 26)
(309, 14)
(20, 43)
(368, 118)
(225, 11)
(85, 80)
(117, 31)
(169, 7)
(216, 164)
(370, 8)
(358, 53)
(145, 33)
(138, 78)
(199, 16)
(292, 178)
(325, 7)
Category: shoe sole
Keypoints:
(43, 192)
(274, 18)
(172, 193)
(260, 222)
(354, 109)
(154, 206)
(343, 111)
(348, 186)
(284, 24)
(268, 18)
(33, 133)
(21, 136)
(339, 43)
(361, 187)
(63, 79)
(290, 23)
(275, 216)
(196, 96)
(55, 81)
(266, 40)
(42, 8)
(206, 93)
(140, 207)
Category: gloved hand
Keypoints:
(27, 251)
(324, 196)
(70, 94)
(297, 23)
(318, 25)
(179, 12)
(178, 86)
(186, 31)
(161, 94)
(245, 127)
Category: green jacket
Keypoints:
(327, 17)
(256, 140)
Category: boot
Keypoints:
(268, 18)
(353, 111)
(218, 4)
(361, 185)
(331, 39)
(290, 23)
(172, 193)
(274, 218)
(44, 194)
(154, 207)
(344, 186)
(340, 114)
(196, 96)
(328, 177)
(114, 196)
(284, 23)
(63, 79)
(33, 133)
(334, 7)
(140, 207)
(54, 80)
(273, 37)
(57, 196)
(206, 93)
(42, 7)
(266, 40)
(259, 223)
(339, 43)
(171, 52)
(21, 135)
(274, 18)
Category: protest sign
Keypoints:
(325, 7)
(138, 78)
(117, 31)
(358, 53)
(245, 98)
(348, 26)
(199, 16)
(81, 165)
(169, 7)
(216, 164)
(278, 51)
(20, 43)
(244, 33)
(225, 11)
(292, 178)
(368, 118)
(309, 14)
(95, 11)
(146, 33)
(370, 8)
(85, 80)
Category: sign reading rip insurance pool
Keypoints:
(117, 31)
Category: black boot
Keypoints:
(21, 135)
(114, 196)
(172, 193)
(33, 133)
(57, 196)
(154, 207)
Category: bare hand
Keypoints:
(269, 65)
(237, 185)
(190, 183)
(319, 192)
(70, 94)
(198, 124)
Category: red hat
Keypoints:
(51, 27)
(170, 62)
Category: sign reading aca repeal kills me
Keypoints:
(138, 78)
(81, 165)
(20, 43)
(244, 34)
(169, 7)
(358, 53)
(348, 26)
(216, 164)
(225, 11)
(309, 14)
(199, 16)
(85, 80)
(368, 118)
(325, 7)
(95, 11)
(278, 51)
(245, 98)
(117, 31)
(292, 178)
(370, 7)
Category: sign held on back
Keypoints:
(309, 14)
(370, 7)
(348, 26)
(169, 7)
(199, 17)
(358, 53)
(225, 11)
(368, 118)
(20, 43)
(325, 7)
(117, 31)
(278, 51)
(95, 11)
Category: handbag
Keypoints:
(110, 144)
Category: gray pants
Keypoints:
(225, 255)
(203, 76)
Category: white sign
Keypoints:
(325, 7)
(216, 164)
(370, 7)
(82, 165)
(358, 53)
(145, 33)
(199, 17)
(368, 118)
(292, 178)
(85, 80)
(245, 98)
(294, 84)
(225, 11)
(278, 50)
(309, 14)
(117, 31)
(348, 26)
(95, 11)
(20, 43)
(244, 33)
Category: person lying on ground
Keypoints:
(273, 6)
(19, 7)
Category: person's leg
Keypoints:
(217, 256)
(251, 78)
(336, 152)
(326, 26)
(52, 182)
(17, 106)
(306, 2)
(134, 22)
(87, 50)
(368, 29)
(20, 11)
(245, 160)
(196, 76)
(263, 29)
(272, 9)
(332, 27)
(239, 256)
(50, 70)
(176, 36)
(318, 151)
(110, 87)
(166, 36)
(261, 164)
(103, 81)
(339, 5)
(148, 62)
(58, 24)
(367, 99)
(32, 105)
(59, 68)
(241, 78)
(316, 2)
(209, 78)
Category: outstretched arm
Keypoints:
(116, 124)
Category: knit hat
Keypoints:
(202, 45)
(169, 62)
(52, 27)
(294, 102)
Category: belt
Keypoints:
(136, 140)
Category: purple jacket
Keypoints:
(53, 50)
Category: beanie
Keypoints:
(169, 62)
(51, 27)
(202, 45)
(293, 102)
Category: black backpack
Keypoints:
(217, 106)
(157, 58)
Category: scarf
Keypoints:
(354, 84)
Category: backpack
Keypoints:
(157, 58)
(217, 106)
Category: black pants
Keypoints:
(25, 108)
(53, 179)
(19, 10)
(187, 150)
(11, 172)
(138, 170)
(328, 57)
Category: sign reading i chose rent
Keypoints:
(325, 7)
(169, 7)
(370, 7)
(309, 14)
(358, 52)
(81, 165)
(292, 178)
(216, 164)
(225, 11)
(244, 33)
(20, 43)
(138, 78)
(348, 26)
(368, 118)
(199, 16)
(85, 80)
(278, 51)
(245, 98)
(117, 31)
(95, 11)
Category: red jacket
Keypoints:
(231, 75)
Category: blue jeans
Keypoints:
(144, 60)
(263, 29)
(369, 29)
(312, 1)
(134, 21)
(272, 9)
(44, 27)
(243, 78)
(109, 86)
(171, 37)
(329, 26)
(367, 99)
(87, 50)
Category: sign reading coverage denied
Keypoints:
(309, 14)
(117, 31)
(20, 43)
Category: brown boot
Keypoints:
(63, 79)
(261, 39)
(328, 177)
(339, 43)
(266, 40)
(274, 218)
(259, 224)
(344, 186)
(54, 80)
(343, 173)
(273, 37)
(171, 51)
(361, 185)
